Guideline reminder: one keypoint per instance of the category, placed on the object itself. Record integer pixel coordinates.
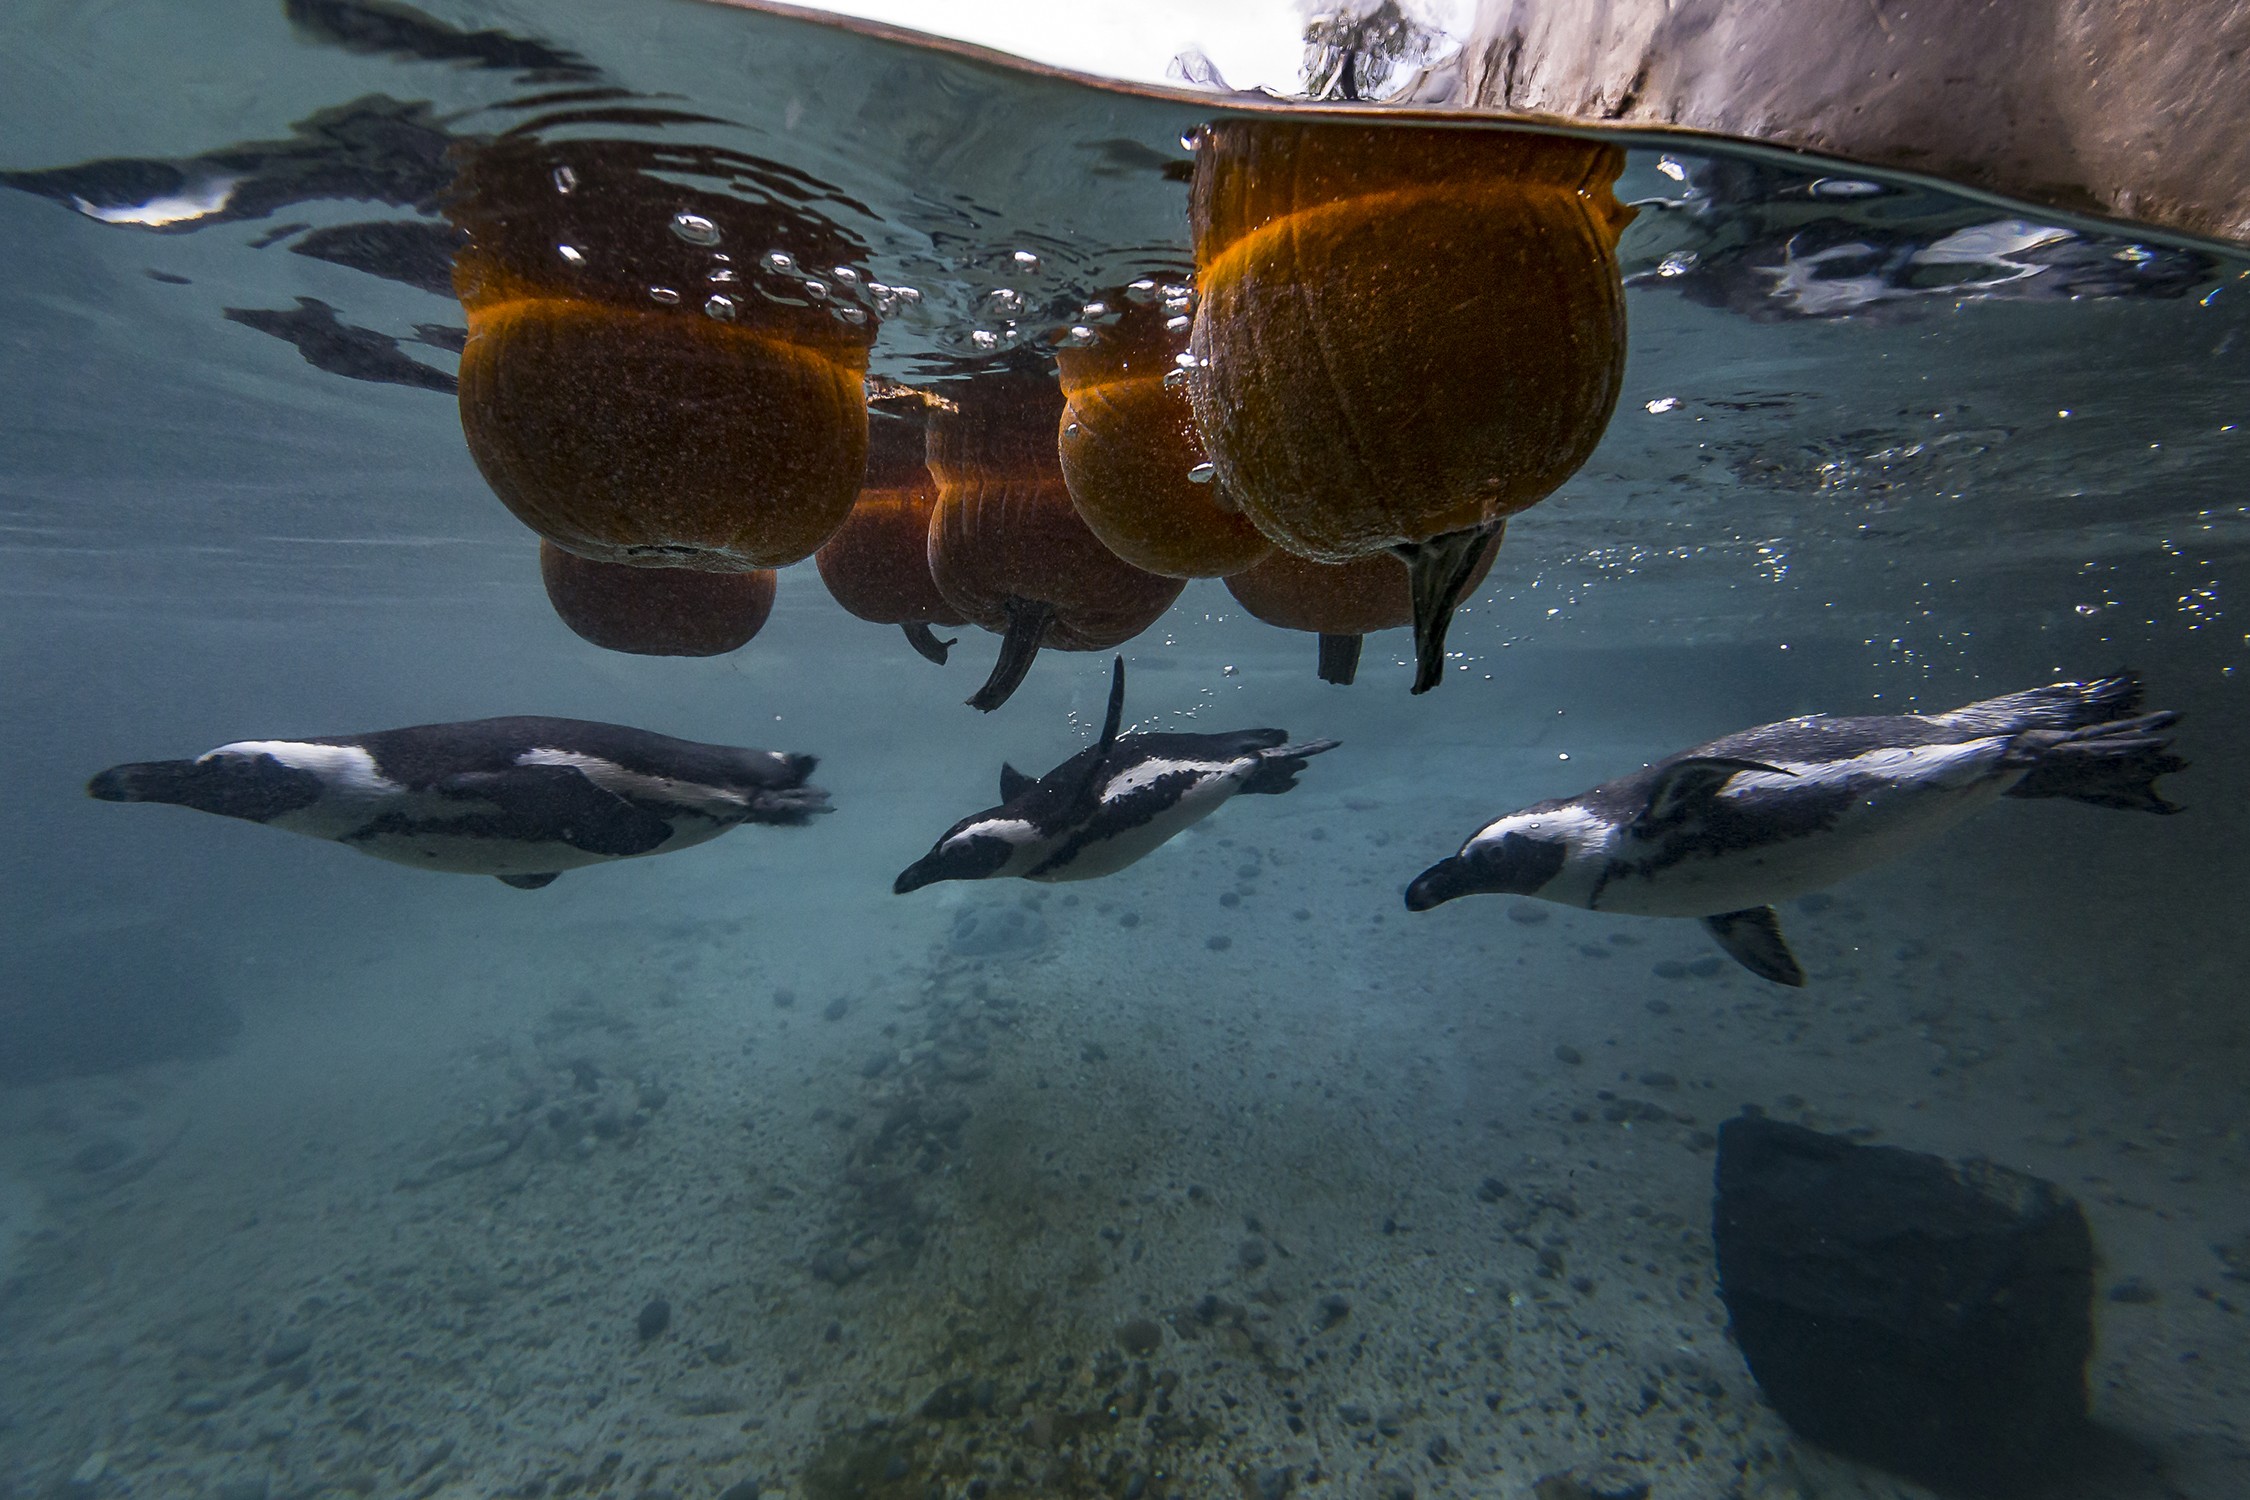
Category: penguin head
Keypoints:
(973, 849)
(1498, 862)
(231, 783)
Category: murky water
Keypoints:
(732, 1172)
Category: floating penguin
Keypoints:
(1109, 804)
(522, 799)
(1727, 829)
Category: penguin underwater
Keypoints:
(1725, 830)
(1111, 803)
(521, 799)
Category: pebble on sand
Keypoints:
(656, 1316)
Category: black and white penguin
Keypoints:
(1725, 830)
(522, 799)
(1111, 803)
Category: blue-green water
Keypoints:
(320, 1175)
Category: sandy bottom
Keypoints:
(638, 1187)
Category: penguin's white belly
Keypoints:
(1128, 845)
(429, 833)
(1900, 798)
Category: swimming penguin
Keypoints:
(1725, 830)
(522, 799)
(1109, 804)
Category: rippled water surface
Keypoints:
(734, 1173)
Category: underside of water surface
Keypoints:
(731, 1172)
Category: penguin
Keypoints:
(1111, 803)
(521, 799)
(1724, 831)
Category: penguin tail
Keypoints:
(2109, 765)
(1278, 767)
(788, 807)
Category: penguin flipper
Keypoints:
(1752, 938)
(560, 803)
(1013, 783)
(530, 882)
(1116, 713)
(1683, 787)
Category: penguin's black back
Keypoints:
(426, 754)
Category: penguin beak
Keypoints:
(145, 781)
(1440, 883)
(922, 872)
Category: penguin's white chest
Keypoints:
(1767, 838)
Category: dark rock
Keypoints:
(1130, 919)
(1527, 914)
(1569, 1054)
(289, 1344)
(1230, 899)
(1140, 1338)
(783, 998)
(1251, 1253)
(656, 1316)
(1276, 1482)
(875, 1065)
(1491, 1190)
(741, 1489)
(1218, 943)
(1706, 968)
(1668, 968)
(2133, 1291)
(1334, 1308)
(1928, 1317)
(836, 1009)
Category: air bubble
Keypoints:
(1202, 473)
(1678, 263)
(1179, 324)
(1175, 380)
(1672, 169)
(665, 295)
(983, 338)
(723, 276)
(1005, 302)
(1071, 429)
(1191, 138)
(1078, 337)
(1094, 310)
(720, 306)
(694, 228)
(571, 253)
(565, 180)
(846, 313)
(1026, 262)
(780, 262)
(817, 290)
(844, 274)
(1143, 290)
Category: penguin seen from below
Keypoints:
(1727, 829)
(1111, 803)
(521, 799)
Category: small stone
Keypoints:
(1251, 1253)
(1130, 919)
(1230, 899)
(656, 1316)
(1568, 1055)
(2133, 1292)
(875, 1065)
(1526, 914)
(1301, 914)
(1141, 1337)
(1352, 1414)
(289, 1344)
(741, 1489)
(1276, 1482)
(1658, 1080)
(1668, 968)
(1491, 1190)
(784, 997)
(1706, 968)
(202, 1403)
(1334, 1308)
(834, 1010)
(1218, 943)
